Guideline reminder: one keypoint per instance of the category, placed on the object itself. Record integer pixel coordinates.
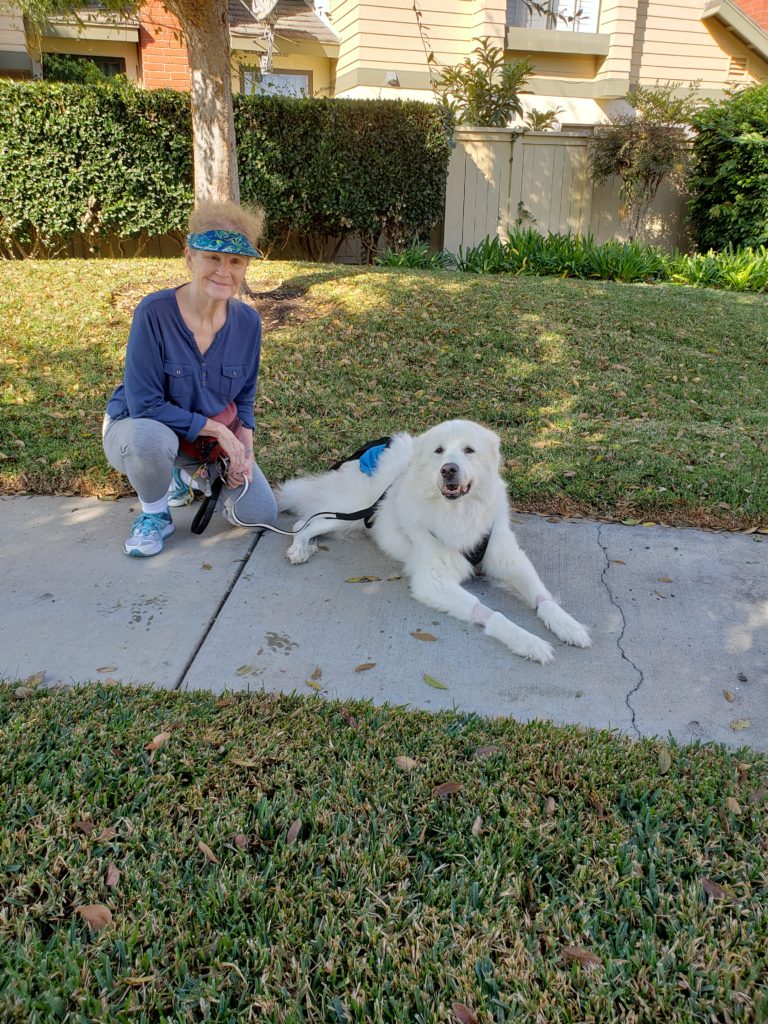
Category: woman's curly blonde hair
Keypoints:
(227, 217)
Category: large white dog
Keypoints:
(443, 498)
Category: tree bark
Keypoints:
(205, 24)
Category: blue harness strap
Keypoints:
(367, 463)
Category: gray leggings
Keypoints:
(146, 452)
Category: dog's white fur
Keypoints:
(443, 496)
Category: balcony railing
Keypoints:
(557, 15)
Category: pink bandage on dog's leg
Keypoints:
(481, 614)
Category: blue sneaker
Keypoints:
(148, 532)
(180, 492)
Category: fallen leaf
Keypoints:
(446, 789)
(742, 678)
(649, 523)
(463, 1013)
(112, 877)
(434, 683)
(617, 561)
(22, 692)
(226, 702)
(729, 696)
(713, 890)
(293, 832)
(733, 805)
(85, 825)
(577, 954)
(138, 981)
(317, 674)
(551, 519)
(630, 522)
(107, 833)
(107, 668)
(741, 723)
(365, 666)
(241, 841)
(34, 680)
(363, 579)
(207, 852)
(158, 741)
(569, 473)
(393, 579)
(244, 670)
(664, 579)
(312, 684)
(243, 762)
(664, 760)
(481, 753)
(419, 634)
(549, 807)
(758, 796)
(477, 825)
(349, 719)
(207, 565)
(96, 915)
(406, 763)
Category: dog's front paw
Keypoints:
(563, 625)
(300, 551)
(523, 643)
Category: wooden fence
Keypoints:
(499, 178)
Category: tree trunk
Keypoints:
(205, 24)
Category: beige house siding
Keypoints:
(675, 44)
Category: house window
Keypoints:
(560, 15)
(276, 83)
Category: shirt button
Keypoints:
(178, 372)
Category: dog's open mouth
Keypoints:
(454, 491)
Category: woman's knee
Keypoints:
(147, 440)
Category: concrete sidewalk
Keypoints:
(679, 620)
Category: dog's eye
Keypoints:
(469, 451)
(439, 451)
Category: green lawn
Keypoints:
(620, 401)
(572, 876)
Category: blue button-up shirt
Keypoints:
(168, 379)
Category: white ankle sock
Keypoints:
(155, 507)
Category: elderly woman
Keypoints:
(191, 367)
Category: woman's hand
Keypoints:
(239, 454)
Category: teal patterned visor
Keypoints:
(223, 241)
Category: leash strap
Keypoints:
(204, 513)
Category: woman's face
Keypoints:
(218, 275)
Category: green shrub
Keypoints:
(528, 252)
(416, 256)
(729, 171)
(101, 161)
(328, 168)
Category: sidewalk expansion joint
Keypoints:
(620, 638)
(218, 610)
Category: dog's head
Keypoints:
(457, 457)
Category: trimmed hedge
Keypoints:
(729, 172)
(103, 161)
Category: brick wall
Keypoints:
(756, 9)
(162, 51)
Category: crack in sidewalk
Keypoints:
(620, 637)
(217, 610)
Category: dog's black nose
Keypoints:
(449, 471)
